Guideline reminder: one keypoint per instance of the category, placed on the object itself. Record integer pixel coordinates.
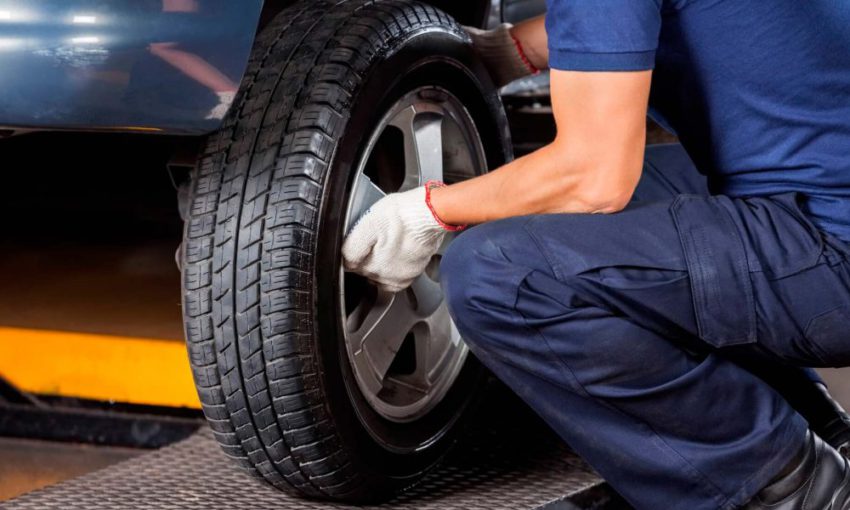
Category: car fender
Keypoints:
(156, 66)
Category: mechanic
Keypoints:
(650, 317)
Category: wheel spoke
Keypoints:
(422, 128)
(428, 294)
(364, 194)
(433, 348)
(432, 334)
(380, 336)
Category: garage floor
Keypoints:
(27, 465)
(507, 460)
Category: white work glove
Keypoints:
(502, 54)
(394, 241)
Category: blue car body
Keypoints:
(150, 66)
(159, 66)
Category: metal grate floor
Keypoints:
(490, 470)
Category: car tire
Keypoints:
(268, 319)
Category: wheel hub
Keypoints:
(404, 349)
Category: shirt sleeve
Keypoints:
(603, 35)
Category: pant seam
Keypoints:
(568, 371)
(713, 491)
(552, 266)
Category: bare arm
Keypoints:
(593, 165)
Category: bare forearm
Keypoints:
(593, 165)
(549, 180)
(531, 34)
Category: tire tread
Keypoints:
(251, 235)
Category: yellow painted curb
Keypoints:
(98, 367)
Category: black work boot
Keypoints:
(818, 478)
(834, 430)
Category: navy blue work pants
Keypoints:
(620, 329)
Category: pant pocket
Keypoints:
(778, 235)
(827, 335)
(718, 271)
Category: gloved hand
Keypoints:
(394, 241)
(502, 54)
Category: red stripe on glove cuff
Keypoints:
(531, 67)
(428, 187)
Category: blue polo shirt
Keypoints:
(758, 91)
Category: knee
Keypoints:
(457, 271)
(477, 273)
